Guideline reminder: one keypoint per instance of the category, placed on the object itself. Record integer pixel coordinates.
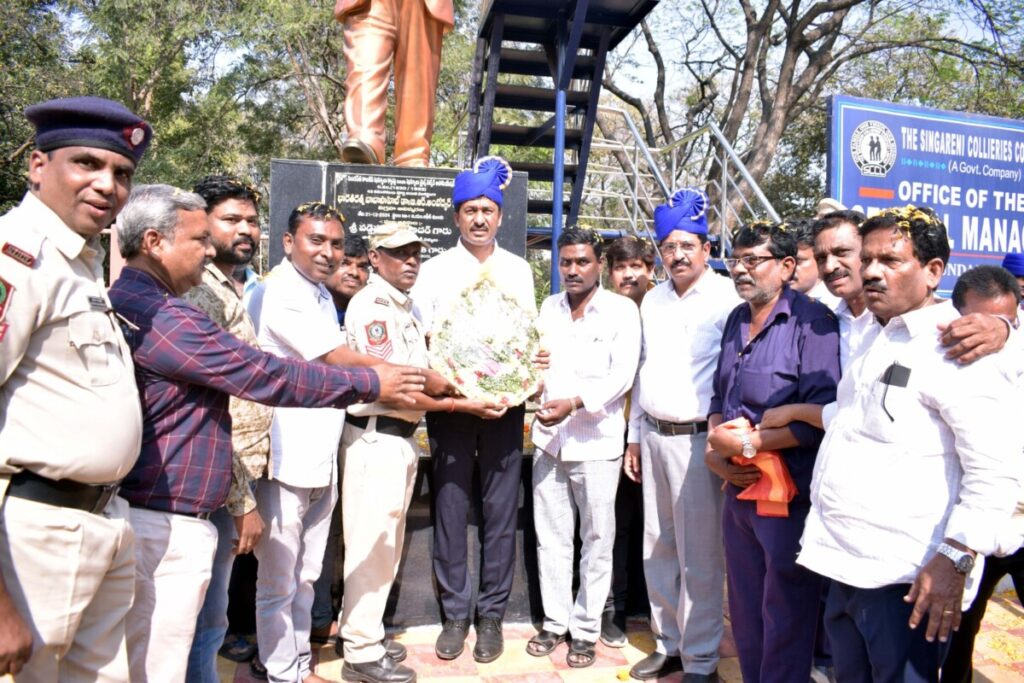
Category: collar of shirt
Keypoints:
(317, 289)
(135, 279)
(668, 288)
(783, 308)
(401, 298)
(50, 225)
(596, 304)
(220, 277)
(922, 320)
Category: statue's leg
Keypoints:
(417, 63)
(370, 38)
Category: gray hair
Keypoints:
(152, 207)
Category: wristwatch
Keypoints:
(963, 562)
(572, 407)
(748, 448)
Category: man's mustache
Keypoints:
(836, 275)
(875, 286)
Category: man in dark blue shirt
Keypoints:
(777, 348)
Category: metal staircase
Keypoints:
(535, 87)
(535, 93)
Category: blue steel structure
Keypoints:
(566, 42)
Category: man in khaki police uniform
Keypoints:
(70, 423)
(380, 455)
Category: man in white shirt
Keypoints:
(298, 320)
(630, 264)
(593, 337)
(918, 470)
(996, 291)
(461, 442)
(684, 566)
(806, 276)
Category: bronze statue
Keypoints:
(379, 34)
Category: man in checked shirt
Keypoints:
(186, 367)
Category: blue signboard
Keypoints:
(966, 167)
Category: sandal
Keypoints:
(544, 643)
(256, 669)
(581, 653)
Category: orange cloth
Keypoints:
(406, 35)
(775, 489)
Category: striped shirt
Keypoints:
(185, 367)
(595, 358)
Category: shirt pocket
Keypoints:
(93, 348)
(763, 388)
(595, 354)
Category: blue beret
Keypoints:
(1015, 264)
(488, 177)
(89, 122)
(686, 210)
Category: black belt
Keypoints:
(61, 492)
(385, 425)
(666, 428)
(197, 515)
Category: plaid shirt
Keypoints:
(186, 366)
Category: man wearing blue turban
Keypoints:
(459, 441)
(684, 566)
(1015, 264)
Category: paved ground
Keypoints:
(999, 657)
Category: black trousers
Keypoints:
(958, 667)
(460, 443)
(871, 641)
(627, 553)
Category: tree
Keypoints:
(755, 71)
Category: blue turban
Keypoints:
(488, 177)
(89, 122)
(1015, 264)
(686, 210)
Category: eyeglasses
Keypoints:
(749, 262)
(670, 248)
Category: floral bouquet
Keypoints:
(484, 344)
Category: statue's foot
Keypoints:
(355, 151)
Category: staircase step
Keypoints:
(535, 63)
(535, 99)
(506, 134)
(545, 206)
(543, 171)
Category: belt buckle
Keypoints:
(106, 495)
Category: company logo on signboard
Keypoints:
(873, 148)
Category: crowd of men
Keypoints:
(831, 442)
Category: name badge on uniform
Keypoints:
(98, 303)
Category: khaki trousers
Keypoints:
(173, 561)
(379, 475)
(71, 575)
(402, 34)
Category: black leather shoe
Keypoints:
(701, 678)
(489, 641)
(656, 665)
(384, 670)
(393, 648)
(452, 640)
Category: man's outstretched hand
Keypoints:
(397, 382)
